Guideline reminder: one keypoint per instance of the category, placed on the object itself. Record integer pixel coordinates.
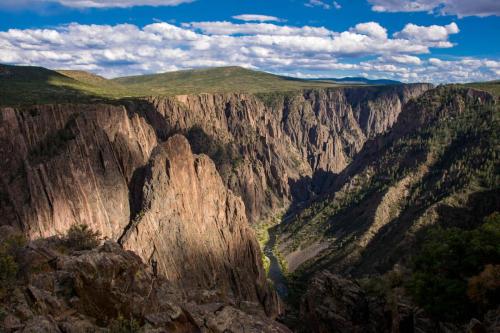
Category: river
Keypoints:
(275, 274)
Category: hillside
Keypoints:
(432, 179)
(38, 85)
(215, 80)
(41, 85)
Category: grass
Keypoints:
(223, 79)
(492, 87)
(25, 85)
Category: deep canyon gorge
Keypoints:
(341, 181)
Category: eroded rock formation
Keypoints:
(283, 140)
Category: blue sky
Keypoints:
(409, 40)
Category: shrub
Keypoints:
(81, 237)
(124, 325)
(8, 265)
(484, 289)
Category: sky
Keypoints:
(435, 41)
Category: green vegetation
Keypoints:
(225, 155)
(53, 143)
(492, 87)
(262, 234)
(273, 99)
(447, 260)
(124, 325)
(222, 79)
(21, 85)
(24, 85)
(81, 237)
(9, 250)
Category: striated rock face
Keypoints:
(95, 164)
(70, 164)
(195, 228)
(282, 140)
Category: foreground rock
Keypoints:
(101, 290)
(336, 304)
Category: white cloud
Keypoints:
(257, 18)
(372, 29)
(459, 8)
(229, 28)
(127, 49)
(401, 59)
(323, 4)
(434, 35)
(91, 3)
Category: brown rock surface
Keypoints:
(87, 291)
(70, 164)
(195, 228)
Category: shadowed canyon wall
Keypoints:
(122, 170)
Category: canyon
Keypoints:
(186, 180)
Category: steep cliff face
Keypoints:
(94, 164)
(195, 228)
(282, 141)
(69, 164)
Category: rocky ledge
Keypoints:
(108, 289)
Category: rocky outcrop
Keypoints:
(100, 165)
(195, 228)
(107, 289)
(336, 304)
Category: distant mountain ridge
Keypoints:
(358, 80)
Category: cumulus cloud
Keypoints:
(257, 18)
(434, 35)
(91, 3)
(459, 8)
(372, 29)
(126, 49)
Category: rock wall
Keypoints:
(68, 164)
(90, 164)
(284, 141)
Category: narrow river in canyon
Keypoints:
(275, 273)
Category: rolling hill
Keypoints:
(222, 79)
